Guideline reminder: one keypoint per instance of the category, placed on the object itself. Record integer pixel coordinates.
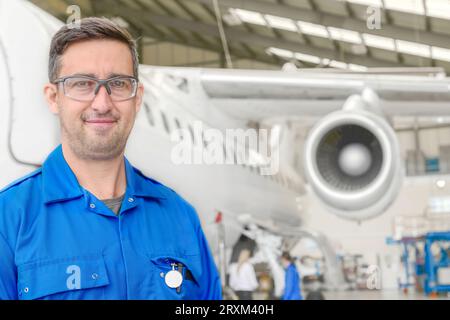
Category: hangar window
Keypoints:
(178, 126)
(205, 144)
(177, 123)
(192, 134)
(149, 114)
(224, 151)
(283, 181)
(165, 122)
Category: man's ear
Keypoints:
(139, 96)
(51, 95)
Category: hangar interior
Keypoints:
(356, 37)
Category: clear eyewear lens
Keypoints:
(122, 88)
(84, 89)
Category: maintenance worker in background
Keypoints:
(292, 278)
(87, 224)
(243, 277)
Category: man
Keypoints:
(292, 278)
(88, 225)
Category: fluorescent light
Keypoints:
(313, 29)
(379, 42)
(281, 23)
(413, 48)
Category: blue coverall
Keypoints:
(58, 241)
(292, 284)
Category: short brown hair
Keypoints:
(287, 256)
(89, 28)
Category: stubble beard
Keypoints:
(97, 145)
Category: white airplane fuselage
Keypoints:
(29, 132)
(341, 110)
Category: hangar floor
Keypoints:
(392, 294)
(378, 295)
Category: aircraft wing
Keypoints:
(247, 93)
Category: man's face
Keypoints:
(98, 129)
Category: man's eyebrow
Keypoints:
(110, 75)
(83, 75)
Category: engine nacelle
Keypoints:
(352, 161)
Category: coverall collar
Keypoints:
(59, 183)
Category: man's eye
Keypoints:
(117, 83)
(82, 84)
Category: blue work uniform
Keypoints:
(58, 241)
(292, 284)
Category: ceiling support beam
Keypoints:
(331, 20)
(237, 36)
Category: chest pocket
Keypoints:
(63, 279)
(191, 270)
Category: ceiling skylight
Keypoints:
(440, 53)
(307, 58)
(313, 29)
(410, 6)
(249, 16)
(345, 35)
(438, 8)
(379, 42)
(433, 8)
(280, 52)
(281, 23)
(413, 48)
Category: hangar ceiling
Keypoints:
(351, 34)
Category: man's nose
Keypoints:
(102, 102)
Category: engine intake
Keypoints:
(352, 163)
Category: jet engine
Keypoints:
(352, 160)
